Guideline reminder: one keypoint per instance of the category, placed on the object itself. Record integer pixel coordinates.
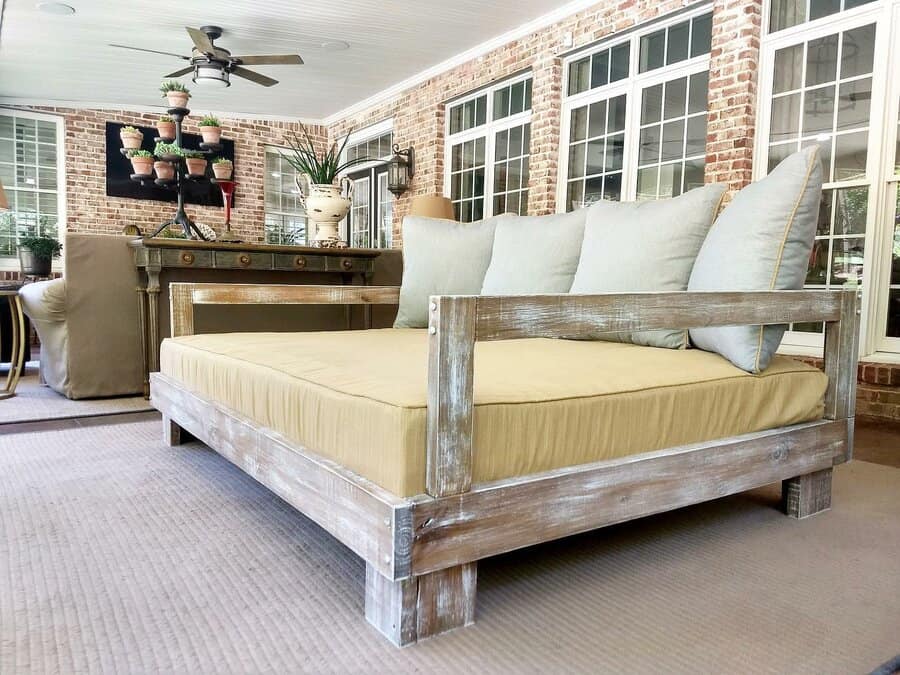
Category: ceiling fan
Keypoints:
(214, 65)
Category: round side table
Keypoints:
(19, 339)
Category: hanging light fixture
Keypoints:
(211, 75)
(400, 170)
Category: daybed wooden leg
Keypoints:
(807, 495)
(413, 609)
(172, 433)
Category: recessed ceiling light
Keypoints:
(55, 8)
(334, 45)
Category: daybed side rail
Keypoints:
(183, 297)
(457, 322)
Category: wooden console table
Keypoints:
(152, 256)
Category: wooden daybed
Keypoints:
(421, 546)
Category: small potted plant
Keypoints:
(141, 162)
(210, 129)
(165, 127)
(176, 93)
(196, 162)
(168, 152)
(222, 168)
(36, 255)
(131, 138)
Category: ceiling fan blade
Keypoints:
(179, 73)
(269, 59)
(253, 77)
(201, 40)
(152, 51)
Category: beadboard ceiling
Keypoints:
(47, 57)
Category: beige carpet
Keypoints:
(120, 555)
(34, 402)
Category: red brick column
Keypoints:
(546, 104)
(733, 80)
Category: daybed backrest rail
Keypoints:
(457, 322)
(183, 297)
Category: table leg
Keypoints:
(367, 309)
(153, 317)
(142, 319)
(17, 354)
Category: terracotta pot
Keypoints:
(177, 99)
(166, 130)
(211, 134)
(143, 166)
(196, 166)
(164, 170)
(223, 170)
(326, 206)
(131, 140)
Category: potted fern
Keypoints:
(36, 255)
(324, 201)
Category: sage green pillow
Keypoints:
(761, 242)
(535, 254)
(441, 257)
(645, 246)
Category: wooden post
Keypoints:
(411, 609)
(181, 308)
(807, 495)
(172, 433)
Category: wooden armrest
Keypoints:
(457, 322)
(183, 297)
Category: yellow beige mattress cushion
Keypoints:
(359, 397)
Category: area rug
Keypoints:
(34, 402)
(118, 554)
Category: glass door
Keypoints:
(370, 222)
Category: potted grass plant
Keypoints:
(196, 162)
(36, 255)
(165, 127)
(222, 168)
(322, 196)
(131, 138)
(210, 129)
(176, 93)
(141, 162)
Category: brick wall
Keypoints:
(90, 210)
(418, 113)
(877, 391)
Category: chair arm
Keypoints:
(45, 301)
(184, 296)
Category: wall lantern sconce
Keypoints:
(400, 170)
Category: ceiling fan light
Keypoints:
(211, 75)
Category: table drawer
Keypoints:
(186, 258)
(243, 259)
(348, 264)
(300, 262)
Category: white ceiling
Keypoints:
(66, 58)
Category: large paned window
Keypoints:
(370, 222)
(31, 173)
(824, 82)
(488, 146)
(634, 118)
(285, 216)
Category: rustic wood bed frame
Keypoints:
(421, 552)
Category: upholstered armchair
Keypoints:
(88, 320)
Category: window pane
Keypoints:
(677, 47)
(847, 261)
(676, 98)
(480, 110)
(786, 13)
(600, 69)
(701, 35)
(578, 126)
(818, 110)
(597, 119)
(857, 54)
(515, 142)
(651, 104)
(850, 152)
(820, 8)
(821, 60)
(788, 69)
(696, 136)
(785, 122)
(673, 140)
(501, 103)
(595, 153)
(646, 182)
(579, 75)
(616, 114)
(649, 145)
(699, 92)
(528, 94)
(652, 51)
(619, 58)
(853, 104)
(574, 195)
(501, 144)
(615, 149)
(517, 98)
(850, 214)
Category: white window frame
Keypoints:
(11, 263)
(488, 131)
(283, 152)
(876, 264)
(631, 86)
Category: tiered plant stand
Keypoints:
(178, 183)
